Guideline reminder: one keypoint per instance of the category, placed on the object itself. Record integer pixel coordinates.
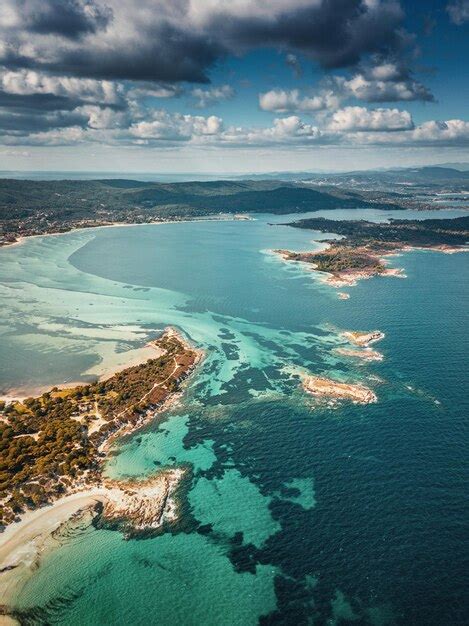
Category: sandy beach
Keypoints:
(23, 543)
(135, 505)
(126, 359)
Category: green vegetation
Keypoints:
(50, 441)
(384, 236)
(33, 207)
(338, 259)
(363, 242)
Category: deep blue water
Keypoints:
(296, 513)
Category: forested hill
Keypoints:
(91, 198)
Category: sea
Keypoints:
(293, 511)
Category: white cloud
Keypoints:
(435, 131)
(362, 119)
(350, 126)
(383, 83)
(154, 91)
(283, 101)
(30, 82)
(449, 133)
(103, 118)
(176, 127)
(212, 95)
(284, 131)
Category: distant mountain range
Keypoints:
(188, 177)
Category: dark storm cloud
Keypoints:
(335, 32)
(164, 54)
(68, 18)
(26, 122)
(177, 41)
(36, 103)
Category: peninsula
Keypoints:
(55, 445)
(364, 246)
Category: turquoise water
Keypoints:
(295, 513)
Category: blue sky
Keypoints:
(232, 86)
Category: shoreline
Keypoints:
(144, 503)
(208, 218)
(350, 278)
(133, 505)
(23, 543)
(19, 394)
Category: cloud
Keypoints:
(382, 82)
(152, 90)
(334, 33)
(283, 131)
(293, 63)
(30, 82)
(67, 18)
(24, 122)
(176, 127)
(352, 126)
(283, 101)
(156, 40)
(362, 119)
(451, 132)
(385, 82)
(212, 95)
(458, 11)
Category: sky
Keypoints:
(232, 86)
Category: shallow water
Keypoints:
(295, 513)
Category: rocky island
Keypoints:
(331, 389)
(365, 355)
(363, 339)
(362, 251)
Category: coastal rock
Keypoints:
(328, 388)
(363, 339)
(142, 505)
(365, 355)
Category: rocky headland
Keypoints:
(364, 247)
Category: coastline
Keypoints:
(207, 218)
(136, 505)
(19, 394)
(350, 277)
(23, 543)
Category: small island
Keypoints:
(365, 355)
(363, 339)
(55, 445)
(362, 251)
(331, 389)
